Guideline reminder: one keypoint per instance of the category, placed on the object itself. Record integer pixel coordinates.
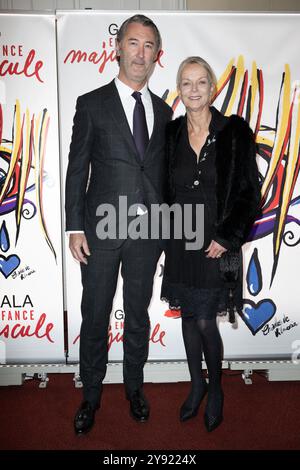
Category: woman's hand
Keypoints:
(215, 250)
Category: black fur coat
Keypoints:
(237, 192)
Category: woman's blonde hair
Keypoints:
(198, 60)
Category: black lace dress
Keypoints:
(191, 281)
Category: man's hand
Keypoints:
(79, 247)
(215, 250)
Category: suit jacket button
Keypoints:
(142, 168)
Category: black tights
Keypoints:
(203, 336)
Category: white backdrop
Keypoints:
(31, 294)
(261, 49)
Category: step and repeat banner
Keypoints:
(31, 286)
(257, 63)
(258, 71)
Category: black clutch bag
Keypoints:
(230, 269)
(230, 265)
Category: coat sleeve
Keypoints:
(78, 167)
(243, 196)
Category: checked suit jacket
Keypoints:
(104, 163)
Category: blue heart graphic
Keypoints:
(9, 264)
(257, 315)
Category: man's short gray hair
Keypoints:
(143, 20)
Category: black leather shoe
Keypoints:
(213, 419)
(84, 418)
(139, 407)
(190, 407)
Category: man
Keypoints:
(118, 144)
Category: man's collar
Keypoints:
(126, 91)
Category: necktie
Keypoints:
(140, 129)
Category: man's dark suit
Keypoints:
(102, 142)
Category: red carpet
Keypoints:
(265, 415)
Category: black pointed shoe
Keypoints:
(84, 418)
(213, 420)
(189, 409)
(139, 407)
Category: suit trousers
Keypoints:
(138, 260)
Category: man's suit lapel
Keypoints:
(157, 123)
(116, 111)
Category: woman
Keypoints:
(211, 162)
